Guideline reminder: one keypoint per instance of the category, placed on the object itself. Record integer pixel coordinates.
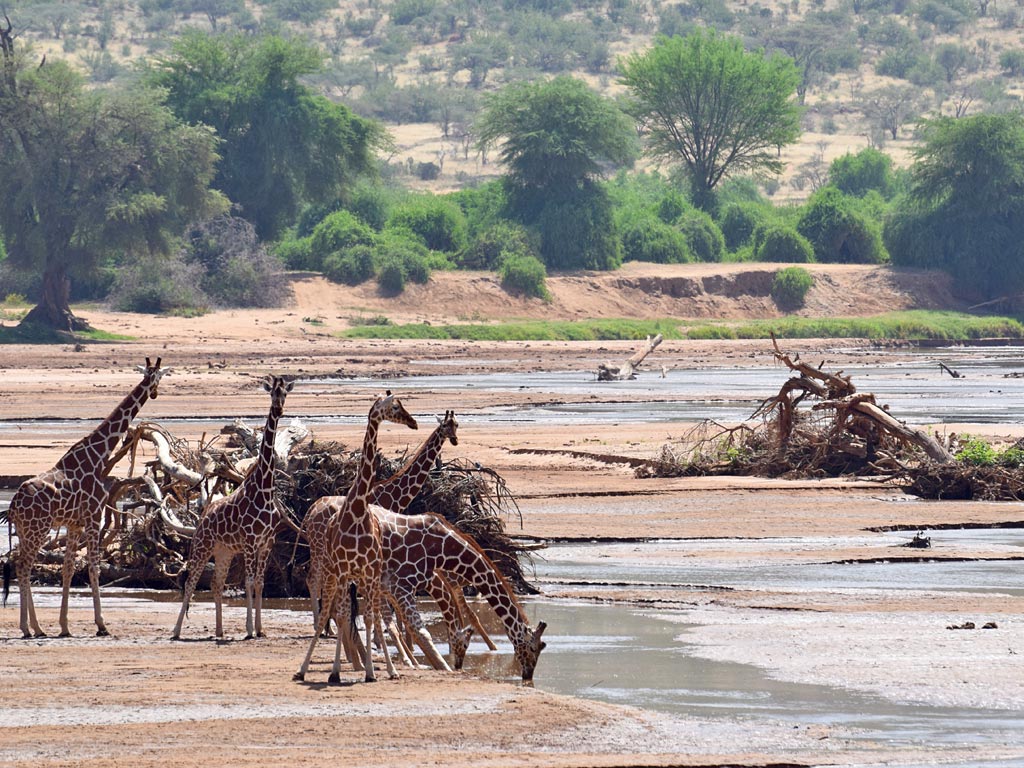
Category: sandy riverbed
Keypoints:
(138, 699)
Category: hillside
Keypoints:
(423, 66)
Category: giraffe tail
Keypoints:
(353, 599)
(7, 580)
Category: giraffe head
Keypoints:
(151, 375)
(278, 387)
(529, 650)
(459, 645)
(448, 427)
(387, 407)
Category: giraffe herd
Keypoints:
(362, 539)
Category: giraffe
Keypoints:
(352, 548)
(72, 494)
(246, 522)
(394, 494)
(430, 544)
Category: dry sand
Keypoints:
(138, 699)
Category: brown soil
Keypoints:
(138, 699)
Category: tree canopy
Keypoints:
(90, 176)
(705, 102)
(556, 133)
(556, 139)
(965, 209)
(283, 146)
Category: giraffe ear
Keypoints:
(439, 419)
(268, 383)
(288, 385)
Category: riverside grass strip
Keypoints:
(908, 325)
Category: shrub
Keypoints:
(237, 270)
(524, 275)
(650, 239)
(337, 232)
(578, 232)
(839, 232)
(505, 236)
(671, 207)
(371, 204)
(738, 221)
(857, 174)
(977, 452)
(351, 266)
(790, 287)
(295, 254)
(780, 243)
(1012, 62)
(427, 171)
(702, 235)
(439, 222)
(157, 286)
(391, 277)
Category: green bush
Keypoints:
(857, 174)
(371, 204)
(296, 254)
(159, 286)
(391, 277)
(790, 287)
(839, 232)
(439, 222)
(702, 235)
(337, 232)
(400, 256)
(352, 266)
(648, 238)
(781, 243)
(978, 453)
(738, 221)
(524, 275)
(671, 207)
(578, 231)
(485, 251)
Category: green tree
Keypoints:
(555, 134)
(857, 174)
(556, 139)
(283, 146)
(705, 102)
(965, 209)
(91, 175)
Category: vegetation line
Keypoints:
(914, 324)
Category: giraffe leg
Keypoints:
(92, 553)
(250, 590)
(344, 618)
(221, 565)
(27, 551)
(327, 594)
(261, 570)
(66, 572)
(372, 613)
(454, 610)
(406, 603)
(396, 629)
(468, 613)
(196, 564)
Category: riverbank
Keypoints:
(138, 699)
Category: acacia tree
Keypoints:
(90, 176)
(705, 102)
(283, 146)
(556, 138)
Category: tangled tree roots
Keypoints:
(819, 425)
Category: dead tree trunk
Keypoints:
(610, 372)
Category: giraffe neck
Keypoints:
(93, 450)
(398, 491)
(263, 473)
(359, 493)
(474, 567)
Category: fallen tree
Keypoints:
(817, 425)
(627, 370)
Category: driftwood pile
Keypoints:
(153, 512)
(819, 425)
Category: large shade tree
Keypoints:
(283, 145)
(706, 103)
(556, 138)
(965, 209)
(91, 176)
